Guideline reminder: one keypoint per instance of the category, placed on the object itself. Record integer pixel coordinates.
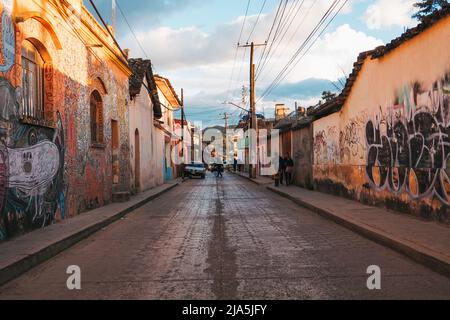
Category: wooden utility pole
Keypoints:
(253, 119)
(226, 137)
(114, 23)
(182, 123)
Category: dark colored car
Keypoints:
(195, 170)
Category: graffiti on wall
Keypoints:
(8, 38)
(326, 146)
(409, 146)
(31, 168)
(351, 139)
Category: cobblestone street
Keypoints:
(227, 239)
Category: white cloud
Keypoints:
(201, 62)
(333, 55)
(390, 13)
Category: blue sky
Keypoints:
(193, 43)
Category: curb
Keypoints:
(250, 179)
(21, 266)
(417, 255)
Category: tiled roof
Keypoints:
(139, 68)
(169, 85)
(143, 68)
(336, 104)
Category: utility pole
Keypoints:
(226, 136)
(114, 16)
(253, 120)
(182, 123)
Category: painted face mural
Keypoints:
(31, 169)
(409, 148)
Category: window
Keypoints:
(96, 106)
(33, 82)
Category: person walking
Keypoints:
(289, 164)
(220, 169)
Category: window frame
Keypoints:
(33, 82)
(96, 120)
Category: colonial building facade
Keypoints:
(64, 135)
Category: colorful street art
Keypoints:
(409, 147)
(49, 168)
(8, 38)
(31, 169)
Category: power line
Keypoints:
(291, 63)
(108, 30)
(257, 20)
(286, 32)
(270, 32)
(270, 43)
(131, 29)
(282, 30)
(237, 49)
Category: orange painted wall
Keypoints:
(389, 144)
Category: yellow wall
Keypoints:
(404, 97)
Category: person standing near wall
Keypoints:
(289, 164)
(282, 169)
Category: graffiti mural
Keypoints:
(31, 169)
(8, 38)
(326, 146)
(351, 139)
(409, 146)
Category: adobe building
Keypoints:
(64, 136)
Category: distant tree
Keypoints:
(328, 96)
(427, 7)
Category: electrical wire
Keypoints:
(131, 29)
(285, 33)
(257, 20)
(237, 50)
(294, 61)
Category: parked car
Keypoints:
(197, 169)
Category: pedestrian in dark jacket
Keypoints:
(289, 163)
(282, 169)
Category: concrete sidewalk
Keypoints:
(20, 254)
(425, 242)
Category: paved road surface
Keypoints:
(227, 239)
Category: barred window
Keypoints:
(33, 82)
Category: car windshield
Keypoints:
(197, 165)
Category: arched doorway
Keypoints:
(137, 160)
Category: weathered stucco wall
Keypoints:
(49, 169)
(151, 143)
(303, 156)
(390, 145)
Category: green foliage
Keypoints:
(428, 7)
(328, 95)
